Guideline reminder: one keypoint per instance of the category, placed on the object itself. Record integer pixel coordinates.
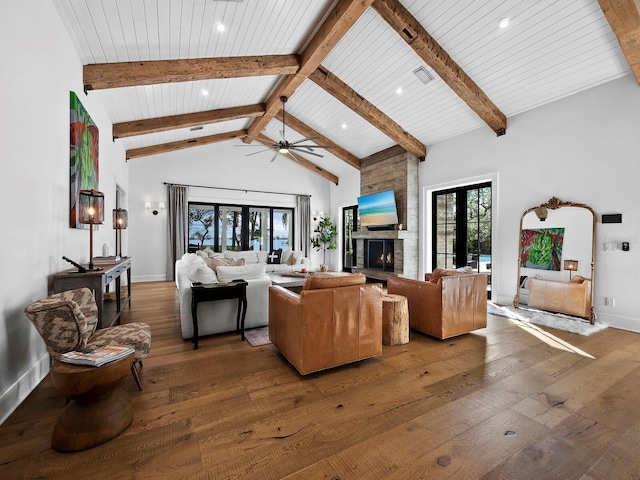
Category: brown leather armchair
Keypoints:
(447, 303)
(333, 321)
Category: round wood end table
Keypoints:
(98, 410)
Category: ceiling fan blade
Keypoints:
(308, 147)
(259, 151)
(303, 140)
(274, 157)
(295, 157)
(310, 153)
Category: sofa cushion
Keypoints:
(442, 272)
(249, 256)
(263, 256)
(319, 281)
(287, 253)
(244, 272)
(214, 262)
(199, 272)
(274, 256)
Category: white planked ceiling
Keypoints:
(551, 49)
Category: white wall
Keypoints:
(583, 149)
(217, 165)
(39, 68)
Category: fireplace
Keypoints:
(379, 254)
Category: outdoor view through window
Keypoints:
(236, 227)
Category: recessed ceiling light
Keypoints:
(204, 92)
(220, 27)
(344, 126)
(503, 23)
(399, 90)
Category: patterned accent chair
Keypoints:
(67, 321)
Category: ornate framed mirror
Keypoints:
(556, 258)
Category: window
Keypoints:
(237, 227)
(462, 227)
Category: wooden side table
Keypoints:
(99, 409)
(208, 292)
(395, 319)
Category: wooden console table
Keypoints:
(98, 281)
(208, 292)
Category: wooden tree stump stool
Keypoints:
(395, 319)
(99, 409)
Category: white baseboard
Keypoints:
(13, 396)
(616, 321)
(148, 278)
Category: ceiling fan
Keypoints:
(284, 146)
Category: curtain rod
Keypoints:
(239, 189)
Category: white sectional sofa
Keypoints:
(260, 256)
(220, 316)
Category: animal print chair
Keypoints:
(67, 321)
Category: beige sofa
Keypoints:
(572, 298)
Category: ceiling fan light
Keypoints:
(283, 150)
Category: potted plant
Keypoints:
(325, 233)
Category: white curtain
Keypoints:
(178, 225)
(303, 224)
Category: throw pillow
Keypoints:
(274, 256)
(284, 259)
(244, 272)
(263, 256)
(199, 272)
(214, 263)
(249, 256)
(577, 279)
(442, 272)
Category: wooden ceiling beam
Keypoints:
(263, 139)
(162, 124)
(335, 26)
(356, 102)
(182, 144)
(624, 18)
(399, 18)
(128, 74)
(307, 131)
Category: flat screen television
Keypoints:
(378, 210)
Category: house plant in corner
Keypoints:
(324, 239)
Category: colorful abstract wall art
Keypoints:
(542, 248)
(83, 155)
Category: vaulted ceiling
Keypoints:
(169, 78)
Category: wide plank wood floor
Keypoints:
(508, 402)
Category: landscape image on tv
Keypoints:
(378, 209)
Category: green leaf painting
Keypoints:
(542, 248)
(83, 155)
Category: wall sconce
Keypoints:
(120, 222)
(147, 205)
(571, 265)
(317, 215)
(91, 212)
(541, 212)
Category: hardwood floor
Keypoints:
(501, 403)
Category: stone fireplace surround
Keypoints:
(392, 169)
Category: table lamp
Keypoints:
(120, 222)
(571, 265)
(91, 212)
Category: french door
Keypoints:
(462, 227)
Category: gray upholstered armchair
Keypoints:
(67, 321)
